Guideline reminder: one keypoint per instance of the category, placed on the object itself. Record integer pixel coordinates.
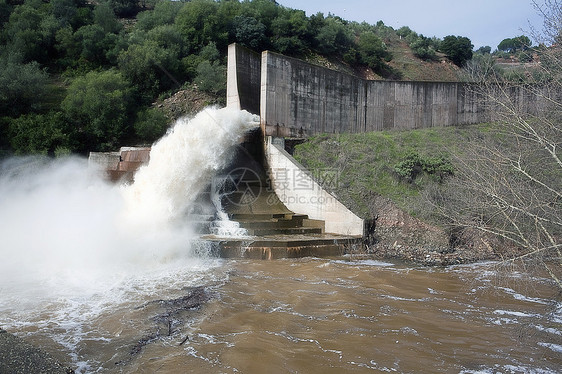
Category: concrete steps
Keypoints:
(288, 224)
(272, 230)
(269, 247)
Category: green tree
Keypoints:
(404, 31)
(64, 11)
(98, 106)
(150, 125)
(249, 31)
(263, 10)
(485, 50)
(169, 38)
(334, 37)
(68, 47)
(423, 47)
(164, 13)
(124, 8)
(372, 51)
(513, 45)
(5, 11)
(22, 86)
(46, 134)
(150, 67)
(506, 45)
(457, 48)
(209, 53)
(106, 19)
(198, 22)
(211, 77)
(290, 32)
(95, 44)
(24, 34)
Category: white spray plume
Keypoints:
(61, 223)
(183, 162)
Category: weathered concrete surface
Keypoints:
(20, 357)
(271, 247)
(298, 99)
(243, 83)
(300, 192)
(120, 165)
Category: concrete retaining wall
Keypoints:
(298, 190)
(119, 165)
(300, 99)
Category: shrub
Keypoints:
(98, 105)
(40, 134)
(413, 165)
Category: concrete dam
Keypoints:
(280, 206)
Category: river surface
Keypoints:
(301, 316)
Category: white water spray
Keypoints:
(66, 232)
(183, 163)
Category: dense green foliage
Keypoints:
(513, 45)
(422, 46)
(97, 106)
(23, 86)
(82, 75)
(457, 48)
(413, 165)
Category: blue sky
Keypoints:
(484, 22)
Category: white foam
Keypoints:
(554, 347)
(183, 163)
(512, 313)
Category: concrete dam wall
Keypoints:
(298, 99)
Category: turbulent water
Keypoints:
(75, 245)
(306, 316)
(109, 280)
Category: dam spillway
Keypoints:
(270, 229)
(243, 211)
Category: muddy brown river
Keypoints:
(301, 316)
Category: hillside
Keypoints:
(408, 185)
(404, 64)
(92, 76)
(412, 68)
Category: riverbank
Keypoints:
(19, 357)
(399, 182)
(396, 235)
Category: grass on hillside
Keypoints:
(367, 163)
(412, 68)
(403, 66)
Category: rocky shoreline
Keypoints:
(19, 357)
(395, 235)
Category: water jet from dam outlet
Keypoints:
(66, 232)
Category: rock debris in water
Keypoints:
(169, 318)
(17, 356)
